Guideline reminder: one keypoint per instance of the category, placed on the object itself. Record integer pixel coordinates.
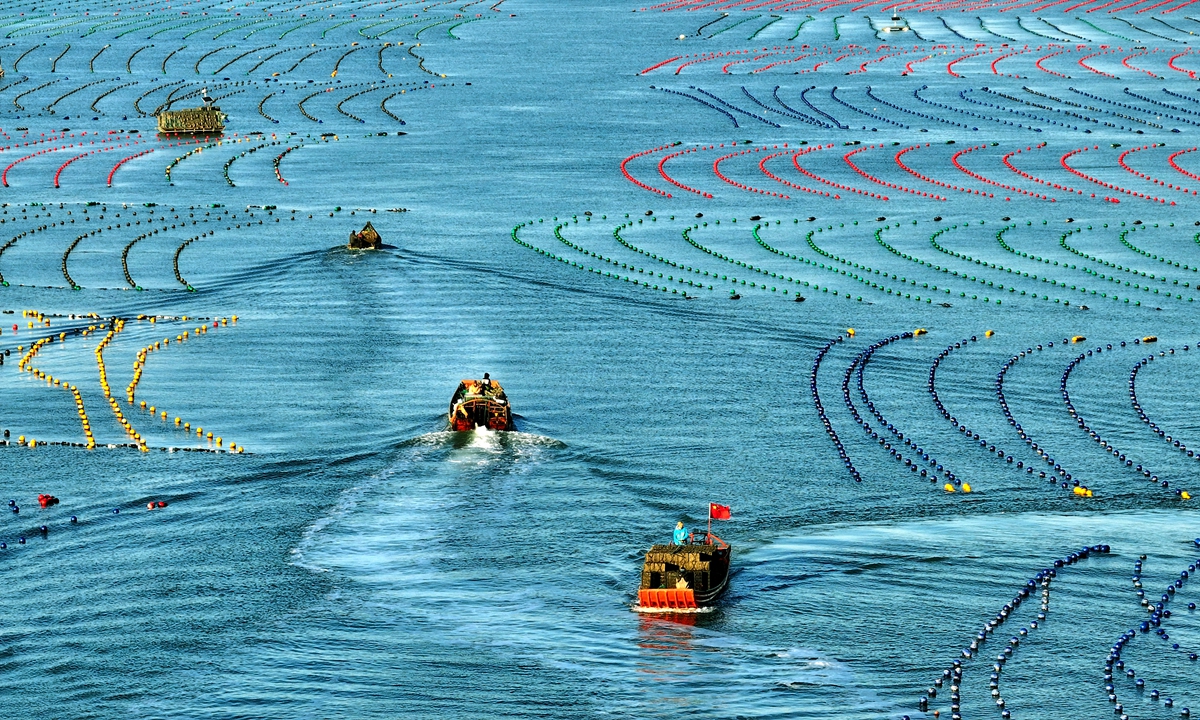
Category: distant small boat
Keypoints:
(368, 239)
(898, 24)
(480, 403)
(684, 578)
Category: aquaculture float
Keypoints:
(480, 403)
(206, 120)
(368, 239)
(687, 576)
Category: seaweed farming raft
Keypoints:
(480, 403)
(207, 120)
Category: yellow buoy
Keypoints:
(1078, 339)
(989, 333)
(1185, 495)
(1150, 339)
(966, 487)
(919, 332)
(948, 488)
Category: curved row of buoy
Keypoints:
(244, 153)
(124, 160)
(1123, 237)
(1141, 412)
(116, 326)
(1057, 474)
(1158, 612)
(140, 364)
(954, 673)
(609, 274)
(25, 364)
(969, 433)
(740, 263)
(625, 266)
(824, 417)
(922, 456)
(1106, 444)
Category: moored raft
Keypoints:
(207, 120)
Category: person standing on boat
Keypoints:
(680, 535)
(486, 384)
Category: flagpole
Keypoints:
(708, 534)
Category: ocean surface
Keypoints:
(357, 560)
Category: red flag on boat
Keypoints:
(718, 512)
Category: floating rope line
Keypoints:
(954, 674)
(1158, 612)
(816, 396)
(26, 364)
(953, 483)
(116, 327)
(216, 442)
(1137, 404)
(1107, 445)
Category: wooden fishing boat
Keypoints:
(684, 578)
(480, 403)
(368, 239)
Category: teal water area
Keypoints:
(359, 561)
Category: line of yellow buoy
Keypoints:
(140, 364)
(117, 326)
(26, 364)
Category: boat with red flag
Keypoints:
(689, 574)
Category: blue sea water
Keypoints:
(359, 561)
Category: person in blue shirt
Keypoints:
(680, 536)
